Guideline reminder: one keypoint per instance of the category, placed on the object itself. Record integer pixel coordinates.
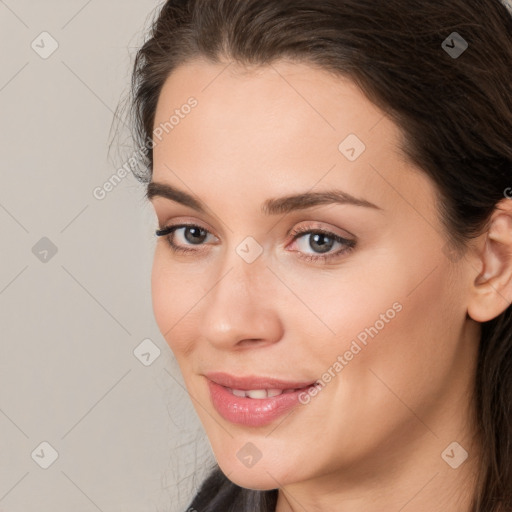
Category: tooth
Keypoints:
(274, 392)
(238, 392)
(288, 390)
(256, 393)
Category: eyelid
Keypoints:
(319, 226)
(179, 225)
(170, 229)
(186, 221)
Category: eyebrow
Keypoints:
(274, 206)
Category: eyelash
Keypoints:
(296, 233)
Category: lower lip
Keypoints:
(251, 412)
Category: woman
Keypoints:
(333, 271)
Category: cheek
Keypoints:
(399, 319)
(410, 357)
(161, 296)
(388, 368)
(360, 300)
(173, 299)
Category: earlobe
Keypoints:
(491, 290)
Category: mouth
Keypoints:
(253, 401)
(259, 394)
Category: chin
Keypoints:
(261, 476)
(260, 481)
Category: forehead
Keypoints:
(283, 127)
(283, 95)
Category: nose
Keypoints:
(241, 309)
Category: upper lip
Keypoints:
(248, 382)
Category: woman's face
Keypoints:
(377, 316)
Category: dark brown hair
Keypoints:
(454, 112)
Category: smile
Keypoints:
(253, 401)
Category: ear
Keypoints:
(491, 291)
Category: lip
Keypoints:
(252, 412)
(254, 382)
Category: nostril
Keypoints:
(252, 342)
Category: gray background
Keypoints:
(122, 426)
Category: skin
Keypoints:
(372, 439)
